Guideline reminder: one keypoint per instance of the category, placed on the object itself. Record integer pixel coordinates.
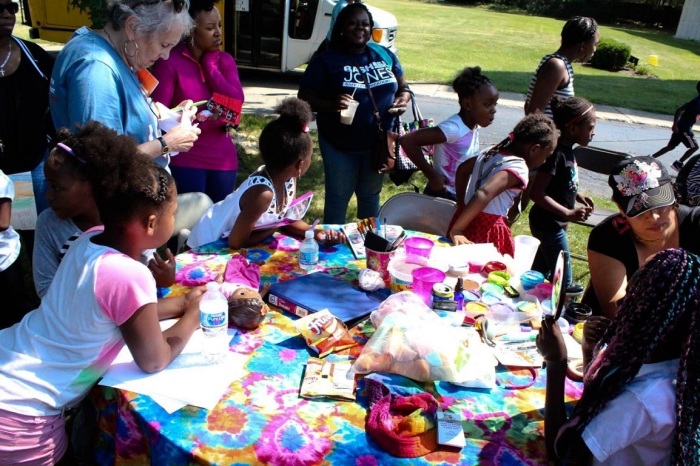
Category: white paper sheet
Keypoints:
(187, 380)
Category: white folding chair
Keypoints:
(418, 212)
(190, 208)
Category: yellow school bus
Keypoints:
(265, 34)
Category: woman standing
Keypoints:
(649, 221)
(25, 69)
(96, 76)
(554, 74)
(195, 70)
(332, 80)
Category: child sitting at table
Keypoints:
(256, 209)
(495, 179)
(73, 210)
(640, 398)
(101, 298)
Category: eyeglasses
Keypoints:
(178, 5)
(13, 8)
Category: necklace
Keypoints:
(278, 206)
(7, 57)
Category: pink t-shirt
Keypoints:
(462, 144)
(58, 351)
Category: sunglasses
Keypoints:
(178, 5)
(13, 8)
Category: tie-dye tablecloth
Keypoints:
(262, 420)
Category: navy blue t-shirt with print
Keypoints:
(333, 72)
(562, 187)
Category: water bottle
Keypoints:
(213, 318)
(308, 251)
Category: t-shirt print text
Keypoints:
(378, 73)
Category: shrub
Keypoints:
(643, 70)
(611, 55)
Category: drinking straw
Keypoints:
(313, 225)
(353, 93)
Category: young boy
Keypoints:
(682, 128)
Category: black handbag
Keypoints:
(386, 144)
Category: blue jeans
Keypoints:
(349, 172)
(39, 186)
(551, 242)
(217, 184)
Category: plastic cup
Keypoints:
(348, 114)
(418, 249)
(525, 251)
(379, 262)
(423, 280)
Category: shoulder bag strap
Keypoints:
(377, 115)
(26, 51)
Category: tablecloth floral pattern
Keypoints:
(262, 420)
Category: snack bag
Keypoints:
(324, 332)
(323, 379)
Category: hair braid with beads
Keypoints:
(661, 308)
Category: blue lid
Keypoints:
(531, 278)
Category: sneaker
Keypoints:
(574, 290)
(677, 165)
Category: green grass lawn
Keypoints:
(436, 40)
(314, 180)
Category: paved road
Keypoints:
(618, 129)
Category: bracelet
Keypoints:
(404, 89)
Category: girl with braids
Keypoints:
(640, 399)
(554, 74)
(554, 188)
(72, 206)
(457, 138)
(254, 211)
(101, 298)
(488, 185)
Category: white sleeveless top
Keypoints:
(217, 222)
(565, 92)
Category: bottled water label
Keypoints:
(308, 257)
(212, 320)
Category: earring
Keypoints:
(126, 48)
(192, 41)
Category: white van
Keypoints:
(261, 34)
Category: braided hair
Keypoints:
(661, 309)
(125, 182)
(577, 30)
(468, 81)
(286, 139)
(535, 128)
(570, 111)
(246, 313)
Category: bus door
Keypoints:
(258, 27)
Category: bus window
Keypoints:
(302, 14)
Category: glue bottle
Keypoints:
(459, 293)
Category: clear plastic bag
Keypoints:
(411, 340)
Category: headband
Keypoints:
(67, 149)
(578, 118)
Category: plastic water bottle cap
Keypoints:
(212, 286)
(309, 234)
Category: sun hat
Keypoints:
(640, 184)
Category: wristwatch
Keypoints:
(164, 147)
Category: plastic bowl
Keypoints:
(530, 279)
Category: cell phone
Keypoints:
(511, 292)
